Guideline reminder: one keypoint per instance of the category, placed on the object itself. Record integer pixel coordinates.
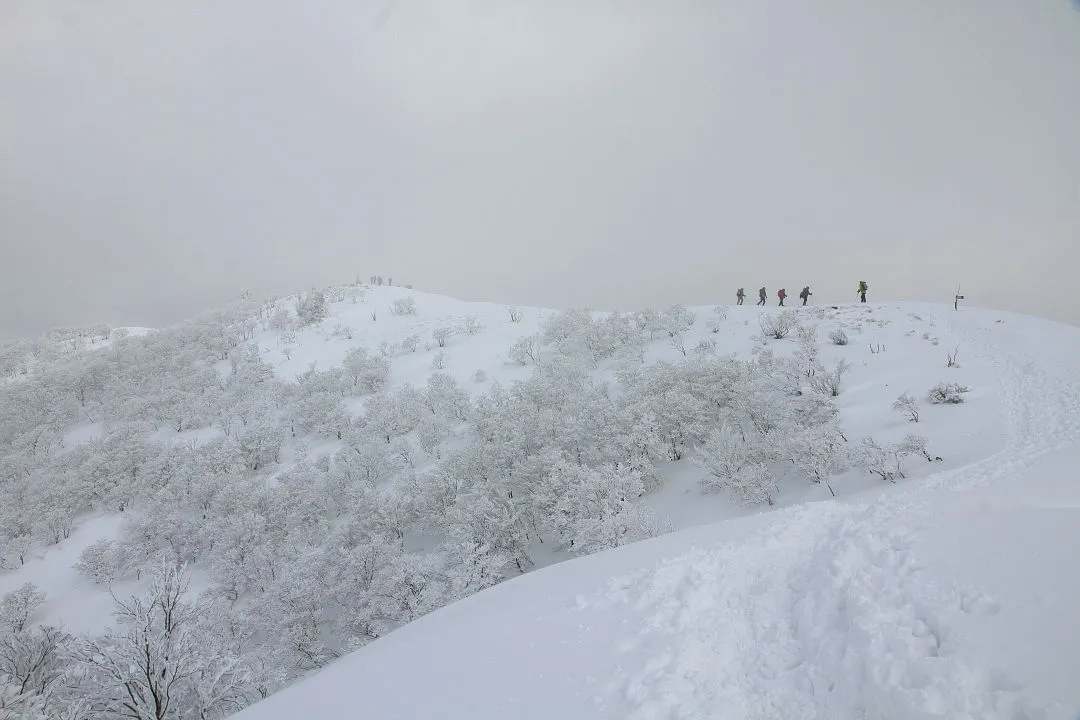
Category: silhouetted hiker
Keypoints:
(762, 295)
(740, 295)
(863, 287)
(782, 294)
(805, 294)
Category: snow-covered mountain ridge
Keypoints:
(334, 465)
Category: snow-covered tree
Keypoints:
(591, 509)
(727, 459)
(100, 561)
(441, 334)
(162, 661)
(818, 451)
(19, 605)
(32, 664)
(311, 307)
(444, 398)
(368, 373)
(526, 350)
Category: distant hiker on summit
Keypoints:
(805, 294)
(863, 287)
(740, 295)
(762, 296)
(782, 294)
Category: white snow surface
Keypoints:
(952, 594)
(955, 594)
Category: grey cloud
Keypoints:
(157, 158)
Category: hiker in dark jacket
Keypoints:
(863, 287)
(805, 294)
(782, 294)
(740, 295)
(762, 296)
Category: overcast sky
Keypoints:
(158, 157)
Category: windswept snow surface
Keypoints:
(953, 596)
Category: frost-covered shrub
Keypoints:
(441, 334)
(947, 394)
(342, 330)
(439, 361)
(404, 306)
(888, 462)
(828, 382)
(839, 337)
(778, 326)
(807, 354)
(409, 343)
(951, 358)
(907, 405)
(480, 376)
(876, 459)
(678, 319)
(473, 326)
(916, 445)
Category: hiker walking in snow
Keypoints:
(762, 296)
(805, 295)
(740, 295)
(782, 294)
(863, 287)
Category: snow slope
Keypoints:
(954, 595)
(915, 343)
(950, 594)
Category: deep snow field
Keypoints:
(952, 591)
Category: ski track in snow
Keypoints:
(824, 614)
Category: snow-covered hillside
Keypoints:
(347, 465)
(954, 596)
